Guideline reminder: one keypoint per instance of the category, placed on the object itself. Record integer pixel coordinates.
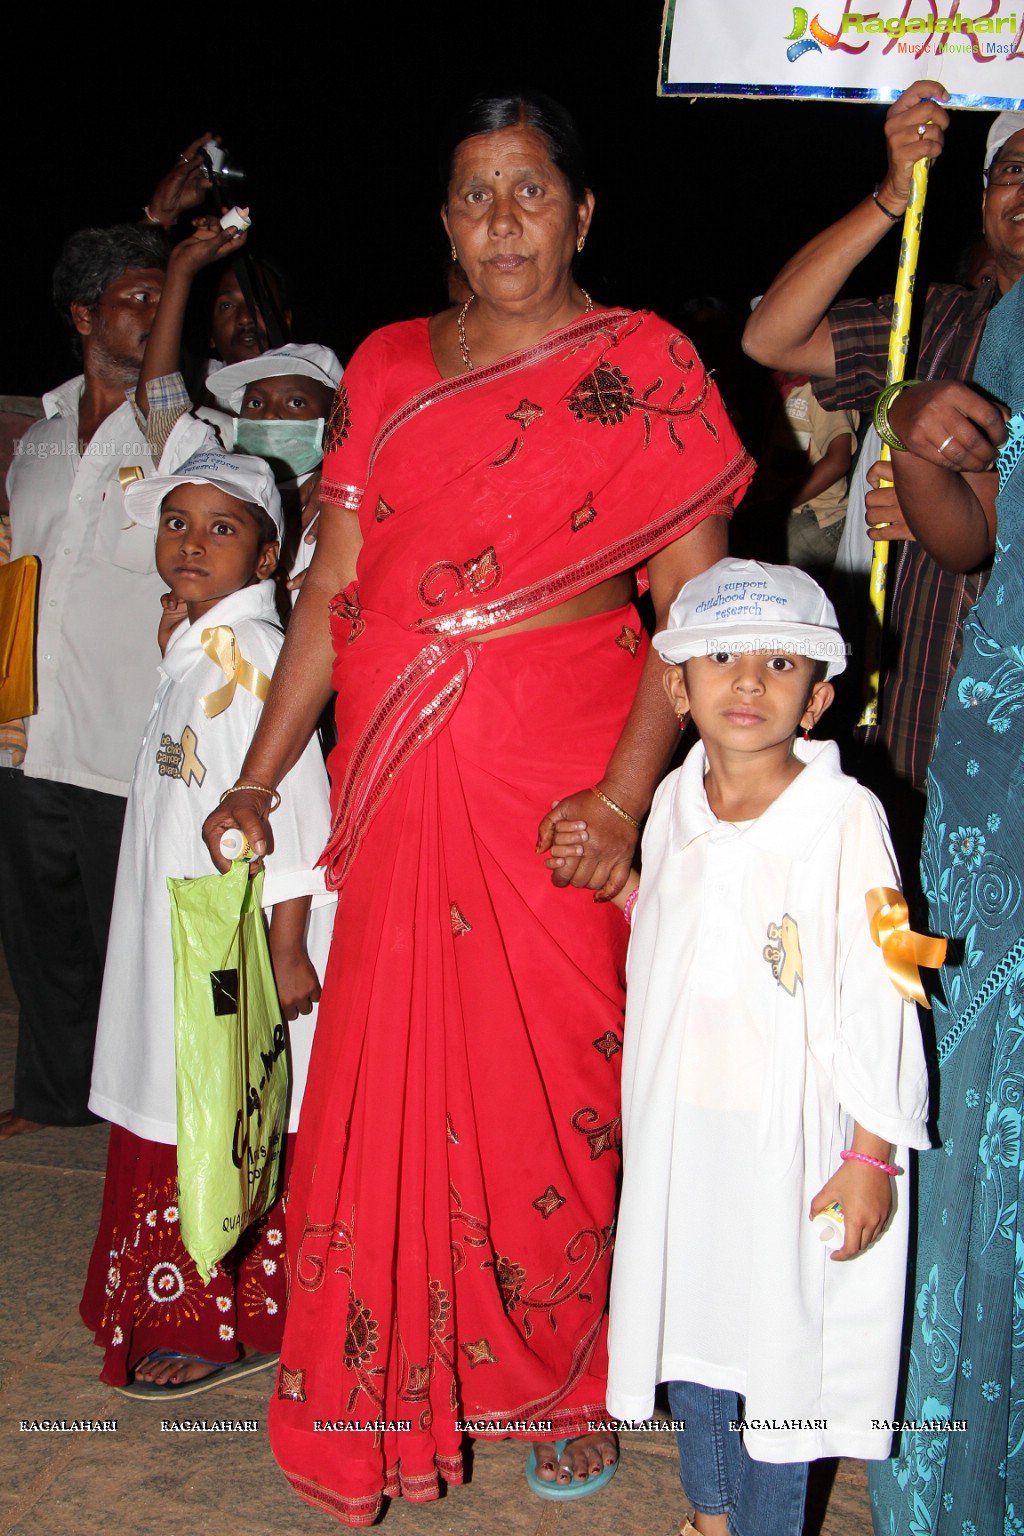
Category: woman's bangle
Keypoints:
(627, 910)
(882, 405)
(894, 218)
(259, 789)
(613, 807)
(849, 1155)
(163, 224)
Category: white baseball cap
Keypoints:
(1003, 127)
(236, 474)
(311, 361)
(742, 605)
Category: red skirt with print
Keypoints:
(143, 1291)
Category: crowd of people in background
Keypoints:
(470, 534)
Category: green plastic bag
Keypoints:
(231, 1066)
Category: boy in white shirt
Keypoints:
(770, 1070)
(218, 527)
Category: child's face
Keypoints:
(208, 545)
(286, 397)
(749, 701)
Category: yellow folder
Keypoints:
(19, 601)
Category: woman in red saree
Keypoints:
(493, 479)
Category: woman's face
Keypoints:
(512, 218)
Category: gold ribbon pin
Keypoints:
(903, 950)
(191, 768)
(221, 646)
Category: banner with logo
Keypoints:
(838, 52)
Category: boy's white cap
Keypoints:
(312, 361)
(236, 474)
(742, 605)
(1003, 127)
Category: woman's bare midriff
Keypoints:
(604, 598)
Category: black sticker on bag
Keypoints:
(224, 985)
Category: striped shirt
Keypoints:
(929, 605)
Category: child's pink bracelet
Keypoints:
(872, 1162)
(627, 910)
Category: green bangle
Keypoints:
(882, 405)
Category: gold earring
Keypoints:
(455, 254)
(581, 242)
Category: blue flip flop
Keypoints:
(573, 1490)
(233, 1370)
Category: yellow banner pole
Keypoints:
(895, 369)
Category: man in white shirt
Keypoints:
(99, 606)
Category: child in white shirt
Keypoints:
(770, 1070)
(218, 525)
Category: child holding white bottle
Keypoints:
(771, 1070)
(218, 526)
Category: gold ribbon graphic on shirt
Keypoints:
(903, 950)
(221, 646)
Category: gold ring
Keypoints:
(922, 129)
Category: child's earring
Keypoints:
(807, 731)
(682, 717)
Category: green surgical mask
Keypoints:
(291, 448)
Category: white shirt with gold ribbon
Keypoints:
(212, 682)
(761, 1022)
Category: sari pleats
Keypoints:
(458, 1154)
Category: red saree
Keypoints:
(457, 1158)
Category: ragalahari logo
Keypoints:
(856, 28)
(799, 43)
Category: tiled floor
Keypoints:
(140, 1480)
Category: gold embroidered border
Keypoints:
(358, 1512)
(419, 1488)
(422, 665)
(428, 720)
(541, 1407)
(604, 562)
(583, 329)
(341, 495)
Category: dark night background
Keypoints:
(335, 111)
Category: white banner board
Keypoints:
(773, 48)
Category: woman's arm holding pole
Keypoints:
(789, 329)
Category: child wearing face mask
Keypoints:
(276, 404)
(279, 404)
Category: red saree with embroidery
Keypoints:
(455, 1175)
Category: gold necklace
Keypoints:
(467, 361)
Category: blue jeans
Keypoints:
(760, 1498)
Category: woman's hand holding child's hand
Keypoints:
(566, 844)
(596, 854)
(564, 841)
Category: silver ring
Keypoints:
(184, 159)
(922, 129)
(944, 445)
